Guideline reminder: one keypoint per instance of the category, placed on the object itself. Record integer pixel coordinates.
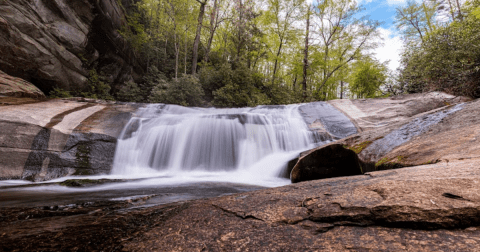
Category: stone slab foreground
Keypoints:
(425, 208)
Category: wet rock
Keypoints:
(326, 162)
(321, 117)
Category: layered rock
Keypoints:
(46, 140)
(54, 43)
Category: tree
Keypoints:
(343, 37)
(415, 21)
(201, 13)
(448, 60)
(367, 78)
(305, 53)
(281, 14)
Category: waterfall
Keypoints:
(172, 140)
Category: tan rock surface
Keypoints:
(439, 135)
(370, 114)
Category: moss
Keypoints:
(387, 164)
(381, 162)
(359, 147)
(82, 58)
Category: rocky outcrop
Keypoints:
(54, 43)
(16, 87)
(51, 139)
(430, 137)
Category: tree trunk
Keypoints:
(341, 89)
(213, 27)
(185, 52)
(460, 15)
(452, 11)
(305, 57)
(276, 61)
(197, 35)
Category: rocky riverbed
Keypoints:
(416, 188)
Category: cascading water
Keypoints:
(246, 145)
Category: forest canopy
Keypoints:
(442, 47)
(234, 53)
(245, 52)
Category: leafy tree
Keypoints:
(367, 78)
(342, 37)
(448, 60)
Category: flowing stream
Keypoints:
(179, 144)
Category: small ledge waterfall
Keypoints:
(245, 143)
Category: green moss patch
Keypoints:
(359, 147)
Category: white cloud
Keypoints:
(396, 2)
(391, 48)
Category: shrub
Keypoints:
(185, 91)
(59, 93)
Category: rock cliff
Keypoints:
(54, 43)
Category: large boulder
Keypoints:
(16, 87)
(330, 161)
(54, 43)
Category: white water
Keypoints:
(177, 144)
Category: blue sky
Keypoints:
(384, 11)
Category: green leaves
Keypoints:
(448, 60)
(367, 78)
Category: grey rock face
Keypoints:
(83, 154)
(53, 43)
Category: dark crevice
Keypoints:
(380, 216)
(243, 217)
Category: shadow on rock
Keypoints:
(327, 162)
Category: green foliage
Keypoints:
(476, 12)
(447, 61)
(59, 93)
(236, 88)
(130, 92)
(153, 79)
(185, 91)
(135, 32)
(367, 78)
(98, 87)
